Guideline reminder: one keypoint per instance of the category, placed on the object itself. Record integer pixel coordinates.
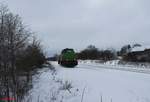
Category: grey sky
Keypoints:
(78, 23)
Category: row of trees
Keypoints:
(91, 52)
(126, 53)
(20, 52)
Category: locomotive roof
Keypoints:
(67, 49)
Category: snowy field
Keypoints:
(90, 82)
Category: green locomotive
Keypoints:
(68, 58)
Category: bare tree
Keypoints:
(17, 49)
(13, 38)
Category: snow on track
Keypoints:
(121, 68)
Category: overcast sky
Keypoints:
(78, 23)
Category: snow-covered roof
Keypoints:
(140, 48)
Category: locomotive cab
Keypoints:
(68, 58)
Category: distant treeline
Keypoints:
(125, 53)
(93, 53)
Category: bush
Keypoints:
(31, 57)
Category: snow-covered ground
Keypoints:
(90, 82)
(114, 64)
